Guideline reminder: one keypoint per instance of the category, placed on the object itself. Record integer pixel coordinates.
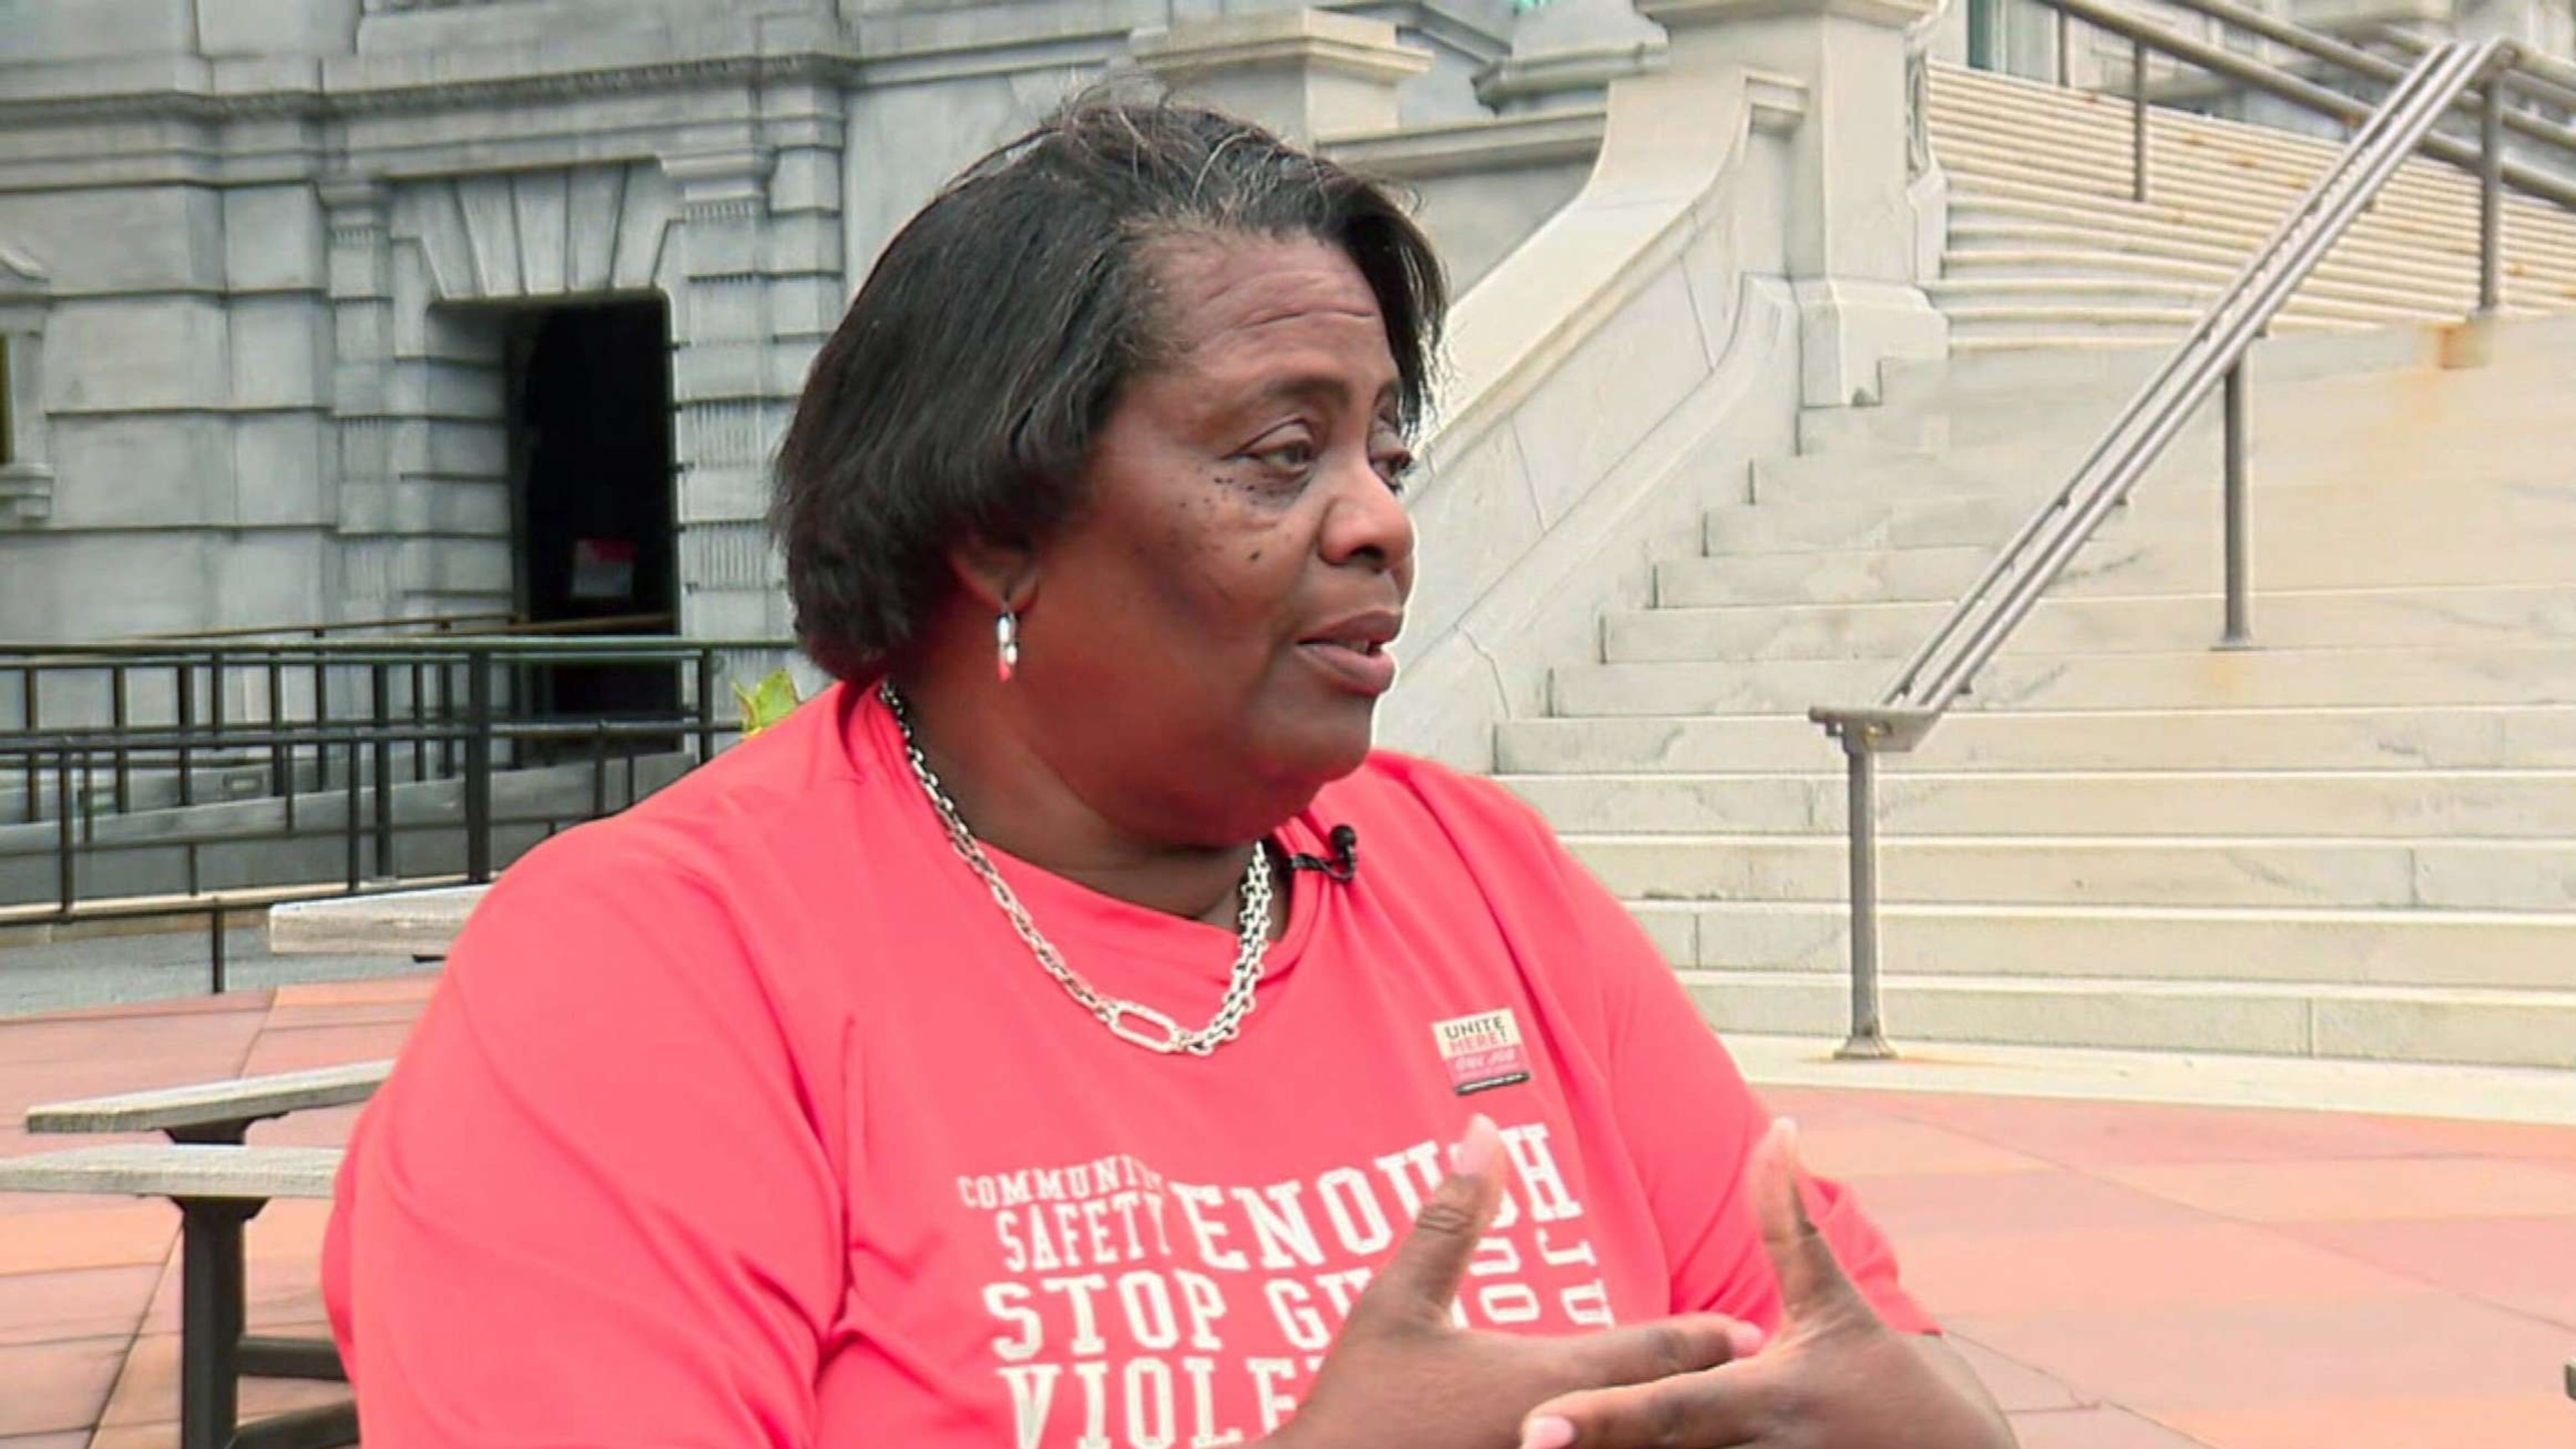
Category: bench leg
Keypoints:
(210, 1319)
(291, 1358)
(333, 1426)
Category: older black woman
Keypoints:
(1066, 1030)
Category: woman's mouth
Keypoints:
(1354, 653)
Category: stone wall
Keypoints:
(260, 260)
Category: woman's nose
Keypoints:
(1367, 520)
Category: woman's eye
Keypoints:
(1295, 456)
(1396, 469)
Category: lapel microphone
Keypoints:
(1346, 857)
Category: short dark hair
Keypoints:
(960, 396)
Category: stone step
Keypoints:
(2534, 341)
(2072, 292)
(2386, 437)
(2018, 340)
(2097, 168)
(2009, 104)
(1855, 521)
(2057, 870)
(2012, 325)
(2096, 164)
(2333, 423)
(2274, 678)
(2517, 804)
(2038, 382)
(2118, 561)
(2290, 620)
(1857, 466)
(1979, 245)
(2374, 1023)
(1958, 90)
(2437, 245)
(2089, 153)
(2294, 521)
(2204, 273)
(2541, 342)
(2092, 146)
(2253, 200)
(2523, 284)
(1980, 224)
(1848, 575)
(2484, 737)
(2496, 950)
(1867, 460)
(2536, 268)
(2256, 201)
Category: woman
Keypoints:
(1050, 1035)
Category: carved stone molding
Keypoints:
(714, 184)
(402, 97)
(26, 469)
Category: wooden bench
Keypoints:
(218, 1187)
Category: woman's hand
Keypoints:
(1403, 1375)
(1835, 1378)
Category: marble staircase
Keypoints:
(2045, 248)
(2356, 840)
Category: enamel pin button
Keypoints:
(1483, 1051)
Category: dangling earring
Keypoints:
(1006, 644)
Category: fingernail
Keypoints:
(1474, 1154)
(1547, 1433)
(1744, 1340)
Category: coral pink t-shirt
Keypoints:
(745, 1119)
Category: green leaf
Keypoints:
(768, 702)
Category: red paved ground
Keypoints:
(2127, 1277)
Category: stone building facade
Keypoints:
(336, 311)
(279, 279)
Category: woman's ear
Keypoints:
(999, 577)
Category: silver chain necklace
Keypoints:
(1157, 1032)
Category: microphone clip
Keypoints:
(1345, 863)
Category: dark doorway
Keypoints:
(590, 400)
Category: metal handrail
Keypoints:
(1944, 668)
(486, 624)
(2146, 35)
(2536, 77)
(338, 650)
(2360, 62)
(433, 623)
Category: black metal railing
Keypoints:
(161, 779)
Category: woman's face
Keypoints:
(1205, 642)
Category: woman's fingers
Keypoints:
(1401, 1364)
(1421, 1280)
(1812, 1282)
(1706, 1410)
(1643, 1352)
